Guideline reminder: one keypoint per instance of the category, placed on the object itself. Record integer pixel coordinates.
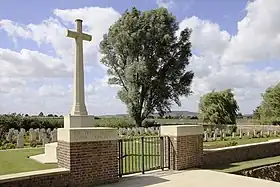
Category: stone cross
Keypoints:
(79, 107)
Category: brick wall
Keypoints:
(36, 179)
(240, 153)
(269, 172)
(186, 151)
(86, 161)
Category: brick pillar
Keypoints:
(91, 155)
(186, 145)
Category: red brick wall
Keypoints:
(238, 154)
(91, 163)
(50, 180)
(186, 152)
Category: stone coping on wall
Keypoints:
(32, 174)
(87, 134)
(244, 145)
(181, 130)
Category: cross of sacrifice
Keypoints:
(79, 107)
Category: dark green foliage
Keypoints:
(269, 110)
(256, 113)
(150, 123)
(16, 121)
(8, 146)
(231, 143)
(218, 107)
(147, 59)
(35, 143)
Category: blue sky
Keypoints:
(237, 43)
(224, 12)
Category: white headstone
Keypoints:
(254, 133)
(49, 130)
(32, 135)
(20, 140)
(10, 136)
(128, 132)
(22, 130)
(54, 135)
(214, 136)
(223, 135)
(205, 136)
(45, 140)
(16, 132)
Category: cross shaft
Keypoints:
(79, 107)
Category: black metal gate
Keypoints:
(140, 154)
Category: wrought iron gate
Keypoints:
(142, 154)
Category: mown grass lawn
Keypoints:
(226, 143)
(16, 161)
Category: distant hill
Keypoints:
(172, 113)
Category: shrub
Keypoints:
(33, 143)
(150, 123)
(231, 143)
(9, 146)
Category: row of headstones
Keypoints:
(221, 133)
(42, 135)
(138, 131)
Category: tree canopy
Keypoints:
(218, 107)
(256, 113)
(148, 59)
(270, 106)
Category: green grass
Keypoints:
(238, 166)
(133, 160)
(225, 143)
(16, 161)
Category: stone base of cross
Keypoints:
(74, 121)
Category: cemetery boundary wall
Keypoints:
(58, 177)
(240, 153)
(267, 172)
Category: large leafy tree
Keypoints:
(270, 106)
(148, 60)
(256, 113)
(218, 107)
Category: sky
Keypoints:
(235, 44)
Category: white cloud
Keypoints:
(28, 63)
(52, 90)
(165, 3)
(258, 36)
(206, 36)
(37, 67)
(222, 59)
(33, 81)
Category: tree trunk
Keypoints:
(138, 121)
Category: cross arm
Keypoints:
(73, 34)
